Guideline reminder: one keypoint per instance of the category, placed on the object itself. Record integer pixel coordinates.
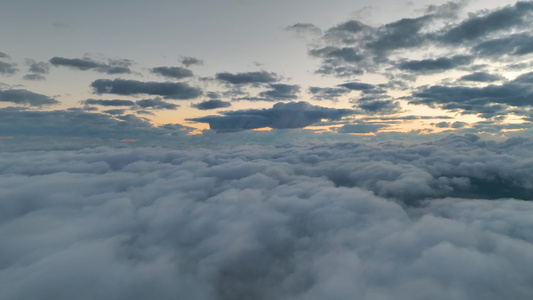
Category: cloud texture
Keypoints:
(324, 221)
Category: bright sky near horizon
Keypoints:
(358, 67)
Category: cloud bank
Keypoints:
(440, 220)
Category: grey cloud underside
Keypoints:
(248, 77)
(281, 116)
(34, 77)
(481, 77)
(115, 102)
(3, 55)
(322, 221)
(26, 97)
(489, 99)
(280, 91)
(84, 64)
(172, 72)
(76, 123)
(7, 68)
(168, 90)
(435, 65)
(156, 103)
(352, 48)
(189, 61)
(211, 104)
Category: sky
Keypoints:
(213, 150)
(354, 67)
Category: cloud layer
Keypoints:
(324, 221)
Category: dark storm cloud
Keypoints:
(156, 103)
(281, 116)
(515, 44)
(7, 68)
(189, 61)
(26, 97)
(172, 72)
(248, 77)
(169, 90)
(211, 104)
(435, 65)
(320, 221)
(488, 99)
(327, 93)
(481, 77)
(114, 66)
(477, 26)
(115, 102)
(280, 91)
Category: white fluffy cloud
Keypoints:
(323, 221)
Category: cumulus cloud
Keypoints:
(114, 102)
(172, 72)
(189, 61)
(487, 99)
(211, 104)
(113, 67)
(281, 116)
(435, 65)
(252, 78)
(304, 29)
(76, 123)
(320, 221)
(156, 103)
(169, 90)
(481, 77)
(280, 91)
(7, 68)
(26, 97)
(320, 93)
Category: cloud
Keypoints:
(211, 104)
(357, 86)
(115, 111)
(84, 64)
(384, 107)
(26, 97)
(172, 72)
(169, 90)
(488, 99)
(115, 102)
(481, 77)
(7, 68)
(477, 26)
(280, 91)
(327, 93)
(319, 221)
(248, 77)
(156, 103)
(360, 128)
(34, 77)
(435, 65)
(304, 29)
(280, 116)
(189, 61)
(514, 44)
(3, 55)
(76, 123)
